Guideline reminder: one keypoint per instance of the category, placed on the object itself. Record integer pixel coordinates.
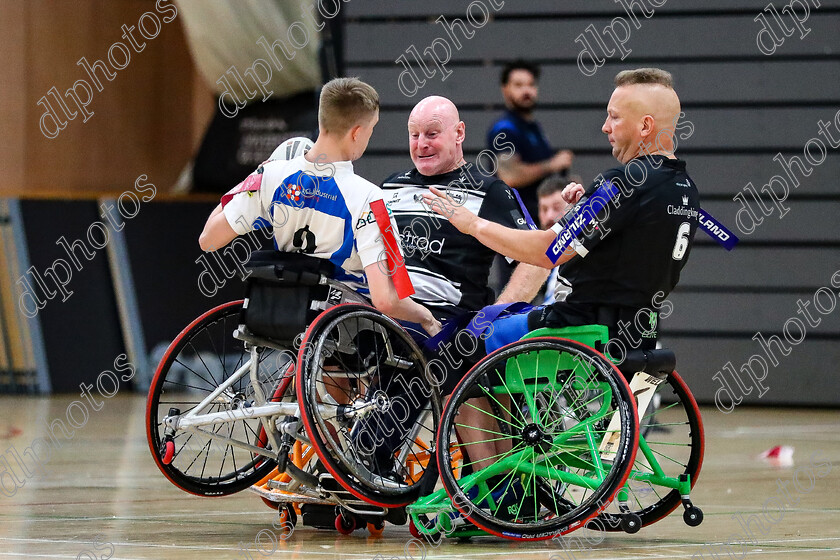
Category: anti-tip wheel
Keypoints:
(376, 529)
(417, 534)
(344, 525)
(288, 518)
(168, 452)
(412, 528)
(631, 523)
(693, 516)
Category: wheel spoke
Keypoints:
(554, 398)
(198, 361)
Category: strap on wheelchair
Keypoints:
(492, 312)
(475, 323)
(288, 268)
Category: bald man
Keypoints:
(622, 266)
(449, 270)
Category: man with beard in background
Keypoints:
(534, 158)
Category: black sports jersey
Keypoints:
(448, 268)
(643, 237)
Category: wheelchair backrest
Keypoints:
(285, 292)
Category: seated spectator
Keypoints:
(551, 205)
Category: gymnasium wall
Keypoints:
(745, 107)
(68, 309)
(148, 118)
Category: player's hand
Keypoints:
(457, 214)
(561, 160)
(572, 193)
(431, 326)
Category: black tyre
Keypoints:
(366, 406)
(537, 413)
(200, 359)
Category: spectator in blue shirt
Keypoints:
(534, 158)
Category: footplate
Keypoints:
(329, 492)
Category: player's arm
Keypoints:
(527, 280)
(241, 206)
(384, 297)
(372, 248)
(217, 231)
(525, 246)
(516, 173)
(524, 283)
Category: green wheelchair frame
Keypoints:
(573, 472)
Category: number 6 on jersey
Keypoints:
(681, 245)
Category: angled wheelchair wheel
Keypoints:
(369, 412)
(202, 357)
(547, 429)
(671, 445)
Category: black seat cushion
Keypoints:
(659, 362)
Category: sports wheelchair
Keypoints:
(572, 450)
(227, 408)
(288, 413)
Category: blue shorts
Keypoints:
(503, 330)
(506, 330)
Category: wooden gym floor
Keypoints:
(99, 495)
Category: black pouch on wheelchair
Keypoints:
(280, 290)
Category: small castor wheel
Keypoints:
(288, 515)
(417, 534)
(167, 446)
(167, 451)
(693, 516)
(631, 523)
(376, 529)
(269, 503)
(412, 528)
(345, 525)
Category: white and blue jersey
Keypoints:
(320, 209)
